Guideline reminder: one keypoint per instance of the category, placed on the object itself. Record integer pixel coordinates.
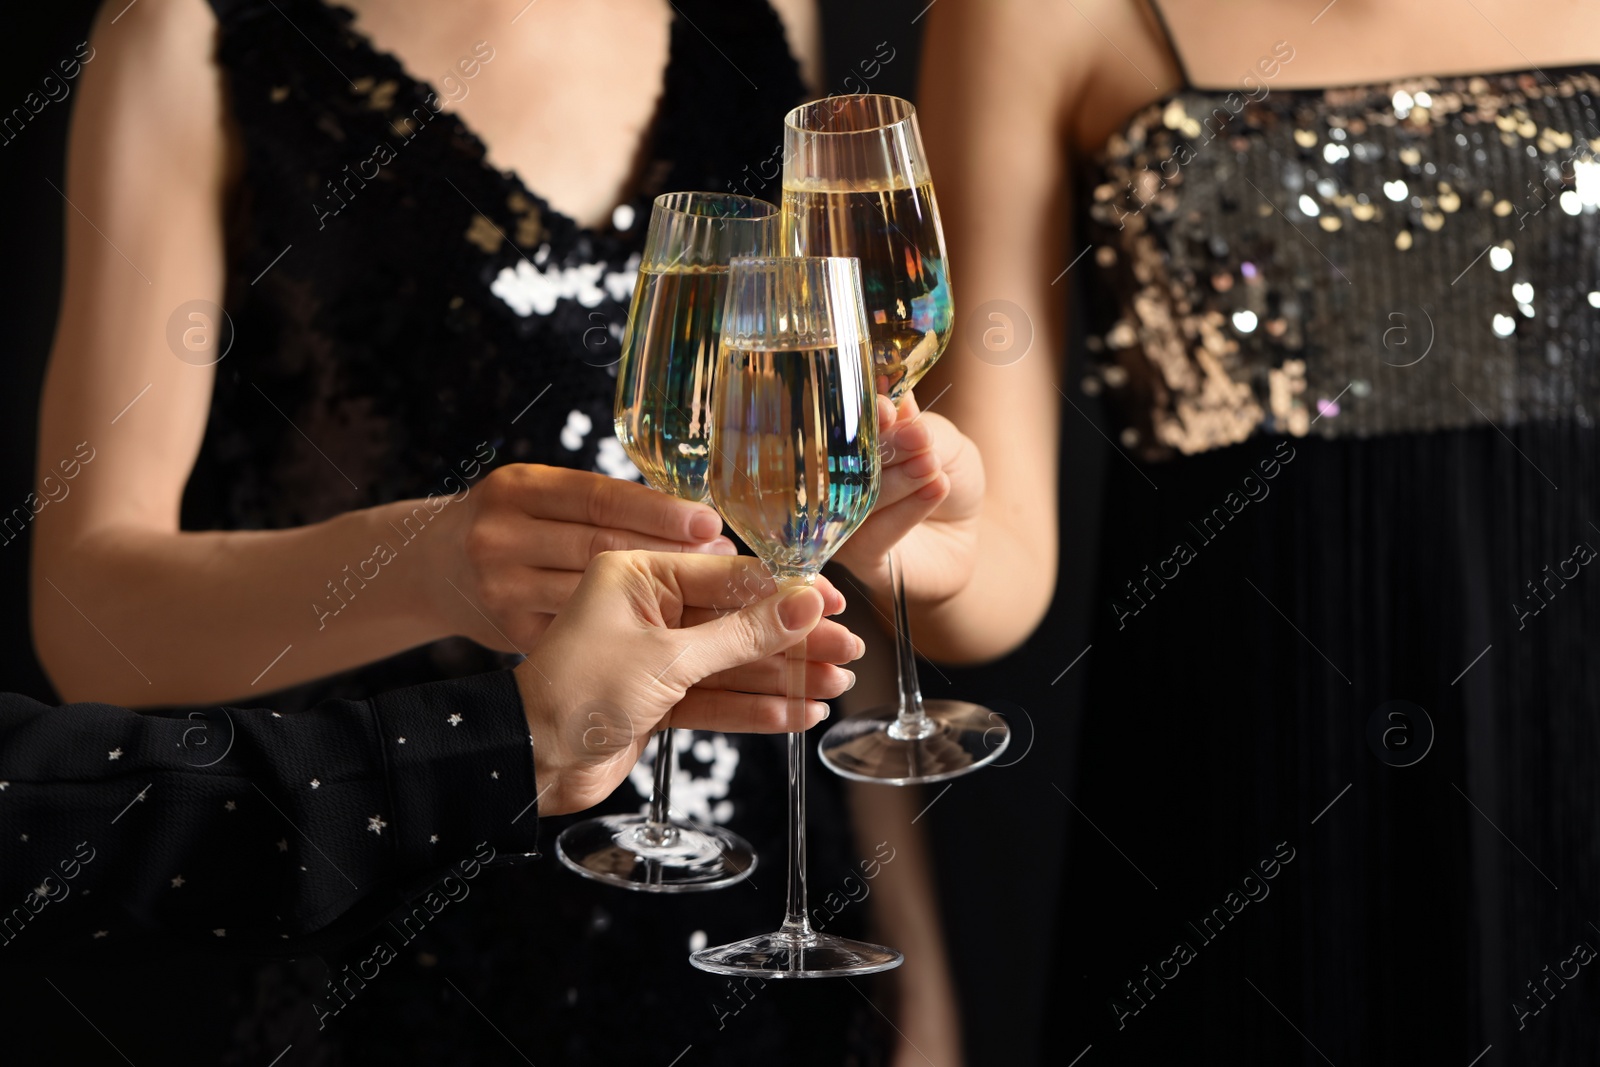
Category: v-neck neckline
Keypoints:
(345, 21)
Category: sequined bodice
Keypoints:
(401, 310)
(1415, 256)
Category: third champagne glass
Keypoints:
(856, 183)
(663, 421)
(794, 470)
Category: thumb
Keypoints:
(747, 635)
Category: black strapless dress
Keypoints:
(402, 312)
(1343, 705)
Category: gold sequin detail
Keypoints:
(482, 233)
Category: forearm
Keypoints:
(143, 617)
(1012, 583)
(237, 829)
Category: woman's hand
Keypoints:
(650, 640)
(927, 510)
(516, 546)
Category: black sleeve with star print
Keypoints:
(247, 830)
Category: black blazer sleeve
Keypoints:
(247, 830)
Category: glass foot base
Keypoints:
(629, 851)
(784, 955)
(958, 739)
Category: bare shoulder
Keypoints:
(150, 73)
(804, 29)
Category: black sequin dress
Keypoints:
(403, 314)
(1343, 715)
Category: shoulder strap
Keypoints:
(1172, 42)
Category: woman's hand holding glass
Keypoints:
(643, 643)
(514, 548)
(927, 511)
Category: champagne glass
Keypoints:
(794, 471)
(662, 419)
(856, 183)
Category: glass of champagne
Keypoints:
(856, 183)
(794, 471)
(662, 419)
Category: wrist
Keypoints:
(549, 756)
(418, 550)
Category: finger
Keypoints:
(596, 500)
(888, 526)
(707, 581)
(907, 476)
(571, 545)
(729, 712)
(830, 642)
(824, 681)
(744, 636)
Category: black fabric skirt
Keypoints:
(1338, 797)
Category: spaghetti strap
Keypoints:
(1172, 43)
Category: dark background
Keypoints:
(999, 837)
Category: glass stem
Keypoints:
(661, 831)
(912, 723)
(795, 922)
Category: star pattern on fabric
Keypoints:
(376, 824)
(101, 933)
(230, 806)
(433, 839)
(177, 883)
(221, 931)
(115, 753)
(4, 786)
(283, 844)
(400, 741)
(495, 775)
(315, 784)
(454, 719)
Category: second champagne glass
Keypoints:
(856, 183)
(662, 419)
(794, 471)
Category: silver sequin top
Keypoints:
(1415, 256)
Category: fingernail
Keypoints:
(822, 709)
(851, 684)
(705, 526)
(795, 609)
(861, 648)
(723, 547)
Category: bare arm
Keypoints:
(999, 80)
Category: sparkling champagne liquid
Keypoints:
(793, 467)
(664, 377)
(895, 233)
